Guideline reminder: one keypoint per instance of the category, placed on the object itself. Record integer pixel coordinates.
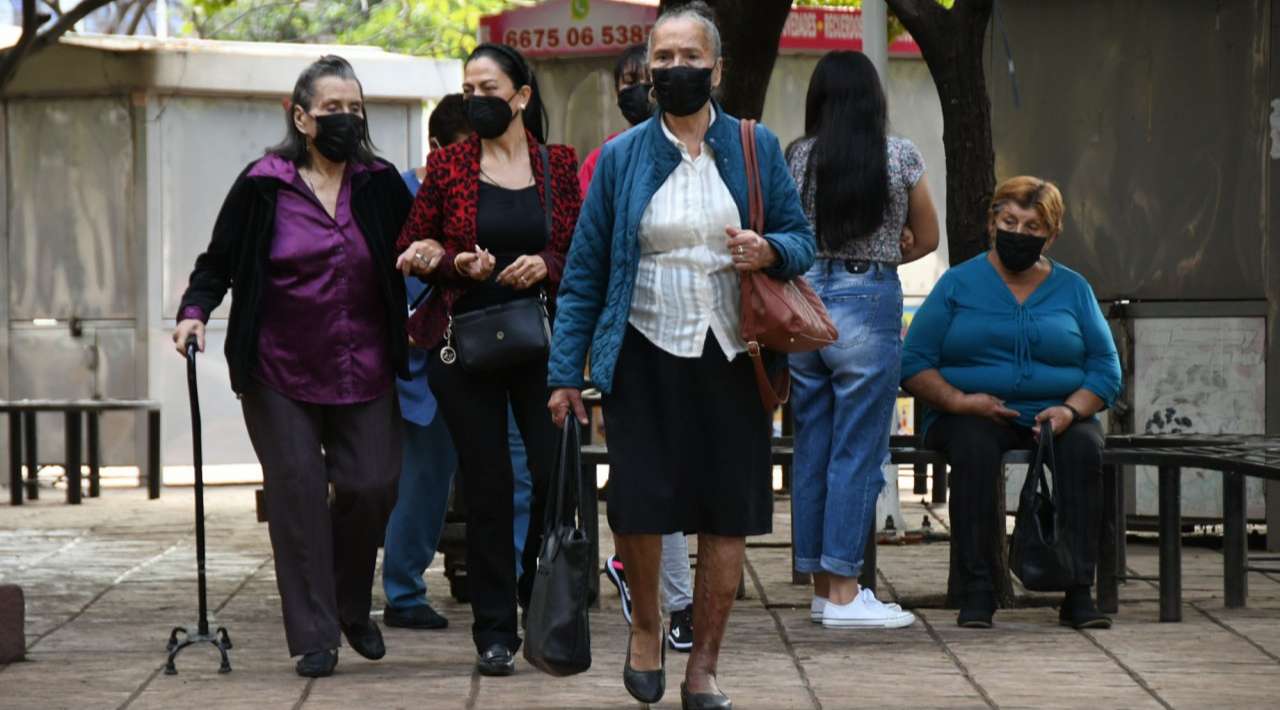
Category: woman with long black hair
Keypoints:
(479, 233)
(861, 188)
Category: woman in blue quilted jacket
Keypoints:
(652, 289)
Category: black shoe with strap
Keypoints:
(366, 639)
(317, 664)
(1079, 611)
(496, 660)
(415, 617)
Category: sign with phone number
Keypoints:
(539, 41)
(565, 28)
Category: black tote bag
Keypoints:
(558, 640)
(1040, 551)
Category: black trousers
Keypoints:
(325, 554)
(475, 409)
(974, 446)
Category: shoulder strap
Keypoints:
(547, 190)
(755, 196)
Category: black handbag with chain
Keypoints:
(1040, 550)
(507, 334)
(558, 639)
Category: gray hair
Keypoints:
(699, 12)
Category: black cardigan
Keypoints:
(238, 254)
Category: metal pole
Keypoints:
(73, 434)
(1170, 543)
(1235, 541)
(95, 454)
(153, 454)
(875, 37)
(32, 454)
(1108, 593)
(15, 458)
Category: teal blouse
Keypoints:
(1031, 355)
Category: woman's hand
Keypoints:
(524, 272)
(984, 405)
(1059, 417)
(183, 333)
(750, 251)
(476, 264)
(562, 400)
(421, 258)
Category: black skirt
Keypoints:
(688, 443)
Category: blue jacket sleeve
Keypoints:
(585, 282)
(1102, 374)
(786, 227)
(922, 349)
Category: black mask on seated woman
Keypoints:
(681, 91)
(489, 116)
(338, 135)
(634, 103)
(1018, 252)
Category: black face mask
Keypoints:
(489, 116)
(682, 91)
(634, 103)
(1018, 252)
(338, 136)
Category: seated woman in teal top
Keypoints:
(1007, 343)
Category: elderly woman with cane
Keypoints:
(305, 241)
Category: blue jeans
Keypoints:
(413, 531)
(843, 398)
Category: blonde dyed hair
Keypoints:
(1030, 192)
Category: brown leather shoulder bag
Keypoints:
(783, 316)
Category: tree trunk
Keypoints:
(952, 42)
(751, 31)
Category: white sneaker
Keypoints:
(816, 607)
(819, 605)
(866, 612)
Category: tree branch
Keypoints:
(67, 22)
(10, 58)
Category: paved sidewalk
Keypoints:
(106, 581)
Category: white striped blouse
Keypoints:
(686, 283)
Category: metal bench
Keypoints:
(1237, 457)
(77, 412)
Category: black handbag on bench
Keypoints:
(508, 334)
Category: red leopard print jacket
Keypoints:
(445, 210)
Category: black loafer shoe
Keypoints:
(645, 686)
(318, 664)
(417, 617)
(366, 639)
(703, 701)
(497, 660)
(1079, 611)
(976, 610)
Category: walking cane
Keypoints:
(220, 639)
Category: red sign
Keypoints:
(820, 30)
(564, 28)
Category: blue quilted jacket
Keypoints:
(594, 303)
